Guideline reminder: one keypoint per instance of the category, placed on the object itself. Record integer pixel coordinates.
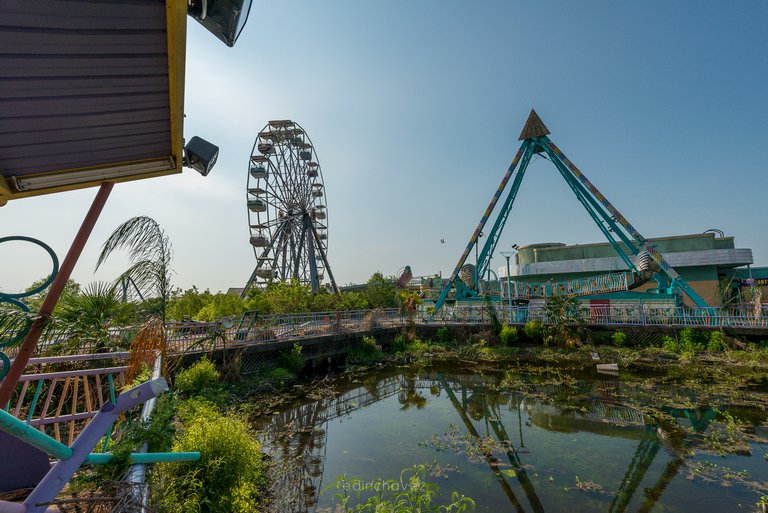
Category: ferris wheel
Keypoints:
(287, 210)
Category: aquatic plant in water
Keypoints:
(411, 493)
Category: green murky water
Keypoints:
(533, 439)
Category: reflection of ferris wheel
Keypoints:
(287, 210)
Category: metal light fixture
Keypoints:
(224, 19)
(200, 155)
(33, 183)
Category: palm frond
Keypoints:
(141, 237)
(14, 321)
(149, 253)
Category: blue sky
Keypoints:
(414, 109)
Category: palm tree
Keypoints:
(91, 313)
(150, 255)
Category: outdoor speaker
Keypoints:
(200, 155)
(224, 19)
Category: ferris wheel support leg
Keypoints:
(313, 269)
(325, 260)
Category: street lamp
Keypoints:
(477, 261)
(507, 254)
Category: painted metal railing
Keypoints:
(626, 314)
(600, 284)
(61, 403)
(233, 332)
(197, 337)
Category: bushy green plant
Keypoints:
(601, 337)
(227, 478)
(533, 330)
(670, 343)
(686, 344)
(279, 374)
(716, 341)
(691, 340)
(293, 359)
(197, 377)
(365, 352)
(400, 343)
(619, 338)
(443, 336)
(508, 335)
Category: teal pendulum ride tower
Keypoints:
(644, 262)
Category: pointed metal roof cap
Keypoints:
(534, 127)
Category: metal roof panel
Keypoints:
(85, 83)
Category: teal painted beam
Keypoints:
(480, 225)
(590, 205)
(484, 259)
(144, 457)
(33, 437)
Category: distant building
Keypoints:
(703, 260)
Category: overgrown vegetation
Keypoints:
(508, 335)
(566, 321)
(194, 417)
(197, 377)
(228, 477)
(289, 297)
(365, 352)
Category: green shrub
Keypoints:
(601, 337)
(716, 341)
(365, 352)
(227, 478)
(619, 338)
(508, 335)
(293, 359)
(280, 374)
(197, 377)
(691, 340)
(670, 344)
(443, 336)
(533, 330)
(400, 343)
(686, 344)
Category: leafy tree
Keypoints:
(323, 301)
(381, 292)
(289, 297)
(257, 300)
(150, 254)
(352, 301)
(221, 305)
(35, 301)
(188, 303)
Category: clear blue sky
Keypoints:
(415, 108)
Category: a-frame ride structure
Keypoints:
(642, 259)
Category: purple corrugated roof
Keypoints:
(82, 83)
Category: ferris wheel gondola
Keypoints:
(287, 208)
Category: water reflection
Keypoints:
(506, 409)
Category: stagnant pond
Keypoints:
(531, 438)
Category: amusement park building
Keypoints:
(701, 259)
